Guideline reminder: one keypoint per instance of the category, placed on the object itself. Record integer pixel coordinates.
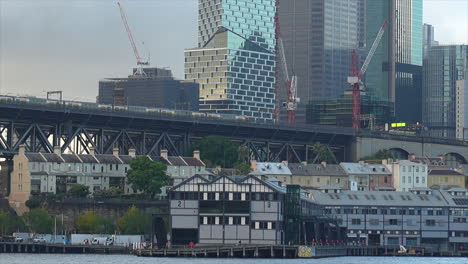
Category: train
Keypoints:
(122, 108)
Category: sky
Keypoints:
(70, 45)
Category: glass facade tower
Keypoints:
(443, 67)
(319, 36)
(395, 72)
(235, 61)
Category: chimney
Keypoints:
(115, 152)
(253, 165)
(164, 153)
(21, 150)
(285, 162)
(384, 162)
(132, 152)
(196, 154)
(324, 163)
(57, 150)
(411, 156)
(91, 151)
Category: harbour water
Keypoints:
(129, 259)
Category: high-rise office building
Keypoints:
(319, 36)
(443, 67)
(462, 109)
(428, 38)
(395, 72)
(157, 88)
(235, 61)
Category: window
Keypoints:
(417, 179)
(355, 221)
(404, 179)
(430, 222)
(393, 221)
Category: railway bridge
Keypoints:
(41, 124)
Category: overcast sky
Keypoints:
(70, 44)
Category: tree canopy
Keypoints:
(135, 221)
(322, 153)
(242, 168)
(220, 151)
(91, 223)
(147, 176)
(380, 155)
(79, 191)
(39, 221)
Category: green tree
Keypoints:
(242, 168)
(79, 191)
(33, 203)
(322, 153)
(39, 221)
(147, 176)
(89, 223)
(135, 221)
(380, 155)
(112, 192)
(4, 222)
(218, 151)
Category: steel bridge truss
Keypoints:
(80, 139)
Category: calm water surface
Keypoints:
(124, 259)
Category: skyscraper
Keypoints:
(234, 62)
(395, 72)
(443, 67)
(319, 36)
(462, 108)
(428, 38)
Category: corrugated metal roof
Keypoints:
(271, 168)
(355, 168)
(300, 169)
(375, 198)
(34, 157)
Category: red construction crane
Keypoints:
(291, 83)
(130, 37)
(357, 74)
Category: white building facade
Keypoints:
(408, 175)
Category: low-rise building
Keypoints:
(56, 173)
(380, 177)
(247, 210)
(358, 176)
(408, 175)
(445, 177)
(428, 218)
(317, 175)
(267, 170)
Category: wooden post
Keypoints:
(232, 252)
(217, 252)
(256, 252)
(272, 252)
(243, 251)
(284, 251)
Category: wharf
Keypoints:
(12, 247)
(247, 251)
(284, 251)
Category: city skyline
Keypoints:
(39, 47)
